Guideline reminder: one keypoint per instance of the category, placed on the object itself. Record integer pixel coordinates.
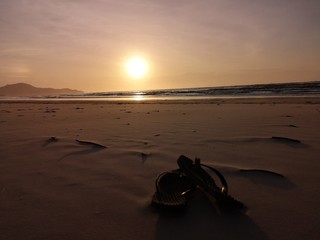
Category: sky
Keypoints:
(84, 45)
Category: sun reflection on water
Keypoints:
(138, 97)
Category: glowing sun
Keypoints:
(136, 67)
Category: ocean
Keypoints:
(257, 90)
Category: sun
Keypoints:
(136, 67)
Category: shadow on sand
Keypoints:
(202, 220)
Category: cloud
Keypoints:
(15, 71)
(53, 37)
(23, 52)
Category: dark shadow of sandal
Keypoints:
(172, 191)
(203, 179)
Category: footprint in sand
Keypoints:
(91, 147)
(92, 144)
(291, 142)
(49, 141)
(144, 157)
(266, 177)
(285, 139)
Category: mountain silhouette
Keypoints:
(24, 89)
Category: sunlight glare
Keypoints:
(136, 67)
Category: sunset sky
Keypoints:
(84, 45)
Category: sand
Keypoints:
(55, 187)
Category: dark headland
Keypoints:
(23, 89)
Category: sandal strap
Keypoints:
(202, 176)
(223, 181)
(206, 182)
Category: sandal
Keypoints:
(172, 190)
(201, 178)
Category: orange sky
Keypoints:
(84, 44)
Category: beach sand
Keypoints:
(54, 187)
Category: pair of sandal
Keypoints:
(173, 188)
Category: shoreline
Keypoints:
(218, 100)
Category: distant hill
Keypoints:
(23, 89)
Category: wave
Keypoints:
(280, 89)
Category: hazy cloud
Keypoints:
(178, 37)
